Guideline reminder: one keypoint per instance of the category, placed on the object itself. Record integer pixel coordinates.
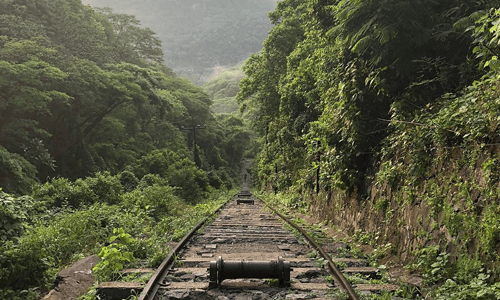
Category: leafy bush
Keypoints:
(17, 175)
(128, 180)
(175, 227)
(435, 265)
(150, 180)
(13, 213)
(114, 256)
(59, 192)
(45, 248)
(214, 180)
(152, 249)
(105, 188)
(192, 182)
(23, 264)
(156, 200)
(179, 171)
(478, 289)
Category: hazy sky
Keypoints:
(222, 33)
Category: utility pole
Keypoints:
(318, 161)
(195, 149)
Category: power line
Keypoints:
(194, 128)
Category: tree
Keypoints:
(265, 70)
(332, 72)
(131, 43)
(28, 86)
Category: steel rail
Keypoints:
(334, 270)
(154, 283)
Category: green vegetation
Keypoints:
(114, 256)
(335, 78)
(42, 233)
(464, 279)
(386, 107)
(92, 148)
(223, 89)
(98, 99)
(390, 107)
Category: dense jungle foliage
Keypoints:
(96, 139)
(84, 91)
(64, 221)
(335, 77)
(198, 35)
(391, 94)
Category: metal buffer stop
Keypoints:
(221, 270)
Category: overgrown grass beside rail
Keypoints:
(39, 238)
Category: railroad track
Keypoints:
(247, 253)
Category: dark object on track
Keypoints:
(220, 270)
(244, 193)
(245, 201)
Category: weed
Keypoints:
(384, 295)
(380, 252)
(408, 292)
(343, 252)
(340, 264)
(336, 293)
(434, 265)
(356, 251)
(477, 288)
(271, 282)
(114, 256)
(312, 254)
(321, 262)
(362, 237)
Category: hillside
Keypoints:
(381, 118)
(198, 35)
(223, 88)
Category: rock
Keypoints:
(178, 295)
(297, 296)
(187, 277)
(118, 290)
(73, 282)
(312, 274)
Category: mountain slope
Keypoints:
(198, 35)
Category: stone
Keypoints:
(187, 277)
(312, 274)
(297, 296)
(177, 295)
(118, 290)
(73, 282)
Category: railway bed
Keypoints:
(247, 236)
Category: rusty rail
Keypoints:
(154, 283)
(334, 270)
